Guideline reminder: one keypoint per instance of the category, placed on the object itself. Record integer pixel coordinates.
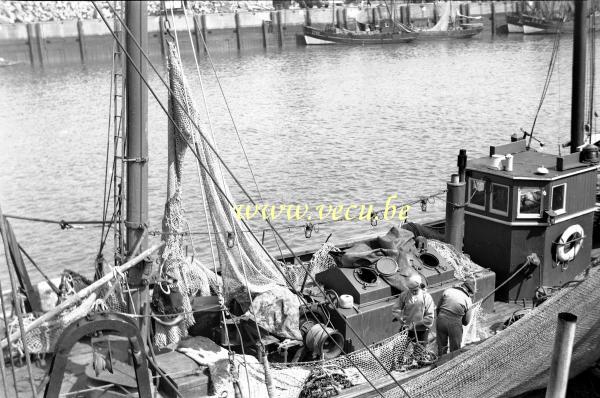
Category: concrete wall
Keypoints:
(59, 40)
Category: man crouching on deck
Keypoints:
(415, 308)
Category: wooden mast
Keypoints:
(137, 152)
(578, 91)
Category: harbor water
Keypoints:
(320, 126)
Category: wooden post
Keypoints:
(280, 27)
(307, 16)
(81, 38)
(30, 43)
(237, 31)
(161, 35)
(493, 11)
(339, 17)
(561, 356)
(41, 43)
(204, 32)
(345, 17)
(264, 33)
(198, 34)
(435, 13)
(408, 14)
(403, 14)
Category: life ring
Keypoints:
(569, 243)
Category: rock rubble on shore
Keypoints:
(43, 11)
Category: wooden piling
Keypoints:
(161, 34)
(237, 31)
(30, 43)
(308, 21)
(41, 43)
(338, 18)
(345, 17)
(561, 356)
(204, 32)
(408, 14)
(493, 17)
(264, 33)
(280, 27)
(198, 34)
(403, 14)
(81, 38)
(436, 17)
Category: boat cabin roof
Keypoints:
(526, 164)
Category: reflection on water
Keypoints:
(319, 124)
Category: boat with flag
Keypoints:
(307, 322)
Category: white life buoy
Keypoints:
(570, 243)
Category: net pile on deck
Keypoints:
(518, 359)
(299, 379)
(247, 270)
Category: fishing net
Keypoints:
(181, 279)
(246, 268)
(43, 338)
(518, 359)
(311, 379)
(320, 261)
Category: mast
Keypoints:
(578, 93)
(137, 152)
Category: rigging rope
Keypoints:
(551, 65)
(233, 177)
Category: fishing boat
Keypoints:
(314, 322)
(385, 31)
(448, 26)
(514, 23)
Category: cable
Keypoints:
(232, 175)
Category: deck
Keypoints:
(191, 378)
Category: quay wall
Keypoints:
(89, 41)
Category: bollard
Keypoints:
(204, 32)
(561, 356)
(199, 43)
(41, 43)
(280, 27)
(264, 33)
(237, 31)
(30, 43)
(161, 34)
(493, 11)
(81, 37)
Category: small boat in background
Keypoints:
(449, 28)
(514, 23)
(334, 35)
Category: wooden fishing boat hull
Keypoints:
(314, 36)
(514, 23)
(539, 26)
(450, 34)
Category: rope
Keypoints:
(232, 175)
(553, 58)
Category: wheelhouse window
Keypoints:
(499, 199)
(530, 203)
(559, 196)
(477, 193)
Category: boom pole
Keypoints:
(137, 152)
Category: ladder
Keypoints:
(119, 143)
